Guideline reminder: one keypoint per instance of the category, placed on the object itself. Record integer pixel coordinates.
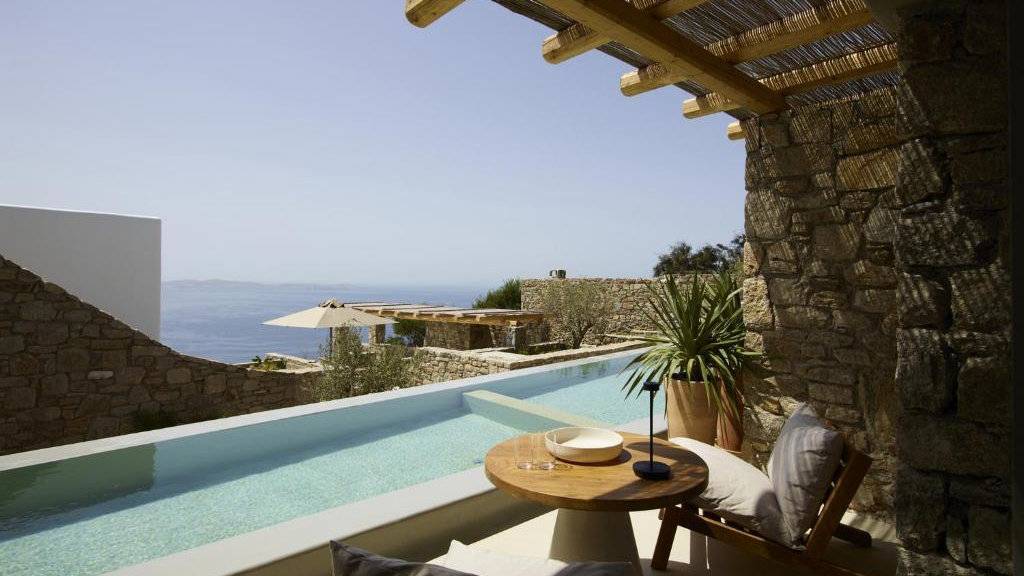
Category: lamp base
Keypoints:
(652, 470)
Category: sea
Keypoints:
(223, 320)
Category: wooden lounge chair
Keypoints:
(852, 468)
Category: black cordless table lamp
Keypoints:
(649, 469)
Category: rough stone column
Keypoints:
(952, 253)
(819, 293)
(519, 337)
(378, 334)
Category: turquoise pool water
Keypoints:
(591, 390)
(180, 514)
(601, 399)
(88, 515)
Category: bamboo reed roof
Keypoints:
(741, 57)
(449, 314)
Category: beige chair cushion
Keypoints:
(803, 463)
(737, 491)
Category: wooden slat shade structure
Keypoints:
(450, 314)
(578, 38)
(423, 13)
(800, 28)
(836, 70)
(648, 36)
(734, 131)
(768, 55)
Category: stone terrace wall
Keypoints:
(953, 256)
(70, 372)
(819, 293)
(628, 294)
(439, 364)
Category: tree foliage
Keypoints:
(575, 308)
(682, 259)
(413, 332)
(509, 296)
(351, 369)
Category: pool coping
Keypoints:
(265, 546)
(55, 453)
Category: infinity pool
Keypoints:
(96, 513)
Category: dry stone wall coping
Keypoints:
(440, 364)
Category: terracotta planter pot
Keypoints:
(730, 424)
(690, 412)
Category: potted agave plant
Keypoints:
(697, 352)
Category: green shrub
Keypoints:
(413, 332)
(350, 369)
(268, 363)
(508, 296)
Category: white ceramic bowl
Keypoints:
(583, 445)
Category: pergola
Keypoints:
(472, 325)
(449, 314)
(743, 58)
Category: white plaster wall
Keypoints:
(111, 261)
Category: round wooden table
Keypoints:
(594, 500)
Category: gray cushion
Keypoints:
(483, 562)
(352, 561)
(802, 464)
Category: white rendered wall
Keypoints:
(107, 260)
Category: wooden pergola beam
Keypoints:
(734, 131)
(422, 13)
(646, 35)
(824, 73)
(804, 27)
(450, 314)
(578, 38)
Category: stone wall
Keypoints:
(440, 365)
(878, 284)
(952, 240)
(629, 297)
(461, 336)
(70, 372)
(819, 294)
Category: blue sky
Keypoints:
(332, 141)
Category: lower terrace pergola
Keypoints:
(458, 328)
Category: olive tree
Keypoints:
(351, 369)
(576, 308)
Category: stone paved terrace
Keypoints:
(695, 555)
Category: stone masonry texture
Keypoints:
(70, 372)
(819, 293)
(952, 254)
(878, 286)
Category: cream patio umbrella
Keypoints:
(330, 314)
